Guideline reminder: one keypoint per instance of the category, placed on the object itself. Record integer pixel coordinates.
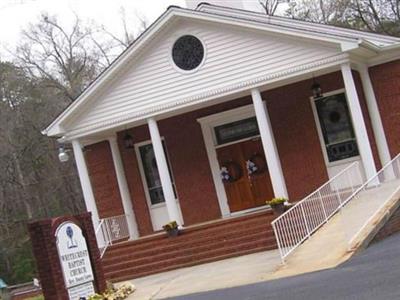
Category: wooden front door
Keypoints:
(245, 189)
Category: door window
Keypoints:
(152, 175)
(336, 126)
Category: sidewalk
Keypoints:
(226, 273)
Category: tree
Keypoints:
(69, 60)
(52, 67)
(381, 16)
(319, 11)
(270, 6)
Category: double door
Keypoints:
(244, 172)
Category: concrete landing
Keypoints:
(341, 237)
(226, 273)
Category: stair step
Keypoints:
(165, 254)
(195, 245)
(194, 259)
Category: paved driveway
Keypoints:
(374, 274)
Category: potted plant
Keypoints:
(171, 228)
(278, 205)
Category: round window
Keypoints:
(188, 52)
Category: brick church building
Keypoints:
(213, 111)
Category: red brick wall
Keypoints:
(296, 137)
(134, 180)
(103, 178)
(386, 82)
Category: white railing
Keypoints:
(298, 223)
(111, 230)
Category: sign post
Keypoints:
(67, 257)
(75, 260)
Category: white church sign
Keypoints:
(75, 261)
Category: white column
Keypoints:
(379, 133)
(163, 171)
(86, 185)
(269, 145)
(364, 146)
(123, 188)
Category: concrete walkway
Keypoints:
(341, 237)
(226, 273)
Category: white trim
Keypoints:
(144, 181)
(321, 136)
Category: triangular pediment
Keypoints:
(145, 82)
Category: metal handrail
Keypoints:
(110, 230)
(297, 224)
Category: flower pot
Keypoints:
(173, 232)
(278, 208)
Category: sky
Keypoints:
(16, 15)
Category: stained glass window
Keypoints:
(188, 52)
(337, 128)
(151, 173)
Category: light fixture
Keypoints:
(62, 154)
(316, 89)
(128, 141)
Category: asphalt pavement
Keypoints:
(373, 274)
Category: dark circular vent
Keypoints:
(188, 52)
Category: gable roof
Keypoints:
(346, 39)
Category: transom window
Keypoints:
(237, 130)
(151, 173)
(336, 126)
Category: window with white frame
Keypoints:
(151, 173)
(336, 127)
